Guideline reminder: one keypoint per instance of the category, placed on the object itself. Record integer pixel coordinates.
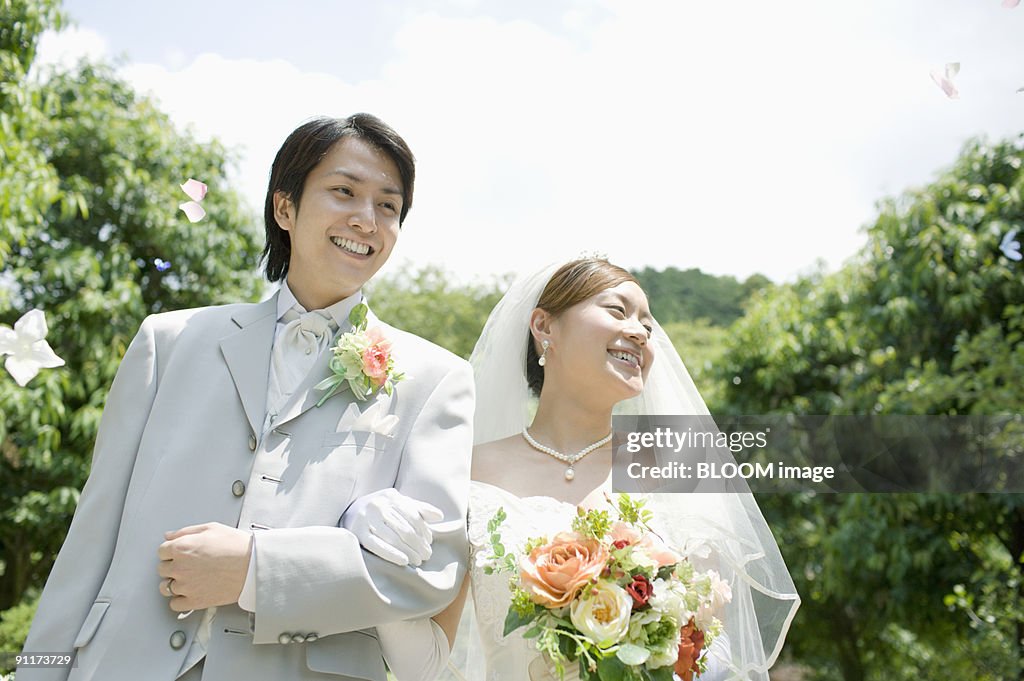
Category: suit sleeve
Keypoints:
(82, 563)
(319, 580)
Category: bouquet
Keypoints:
(611, 596)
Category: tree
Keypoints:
(677, 295)
(927, 320)
(88, 204)
(426, 302)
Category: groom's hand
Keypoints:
(393, 526)
(208, 564)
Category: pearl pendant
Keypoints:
(570, 473)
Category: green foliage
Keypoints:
(926, 320)
(677, 295)
(88, 199)
(701, 345)
(428, 303)
(14, 626)
(592, 523)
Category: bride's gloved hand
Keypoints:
(393, 526)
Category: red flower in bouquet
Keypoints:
(640, 590)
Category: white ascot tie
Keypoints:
(296, 351)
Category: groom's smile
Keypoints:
(346, 224)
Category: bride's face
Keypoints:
(601, 344)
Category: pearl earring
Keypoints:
(542, 360)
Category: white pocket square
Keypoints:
(373, 420)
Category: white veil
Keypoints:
(741, 545)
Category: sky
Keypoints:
(736, 137)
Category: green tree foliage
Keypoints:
(428, 303)
(88, 201)
(677, 295)
(927, 320)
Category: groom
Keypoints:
(209, 541)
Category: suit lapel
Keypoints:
(247, 353)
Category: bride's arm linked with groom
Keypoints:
(208, 542)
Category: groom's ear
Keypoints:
(284, 211)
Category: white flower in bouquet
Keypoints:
(670, 598)
(602, 613)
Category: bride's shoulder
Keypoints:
(490, 459)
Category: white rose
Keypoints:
(603, 614)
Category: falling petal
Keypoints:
(195, 189)
(946, 81)
(27, 347)
(31, 325)
(1010, 4)
(193, 211)
(163, 265)
(1010, 246)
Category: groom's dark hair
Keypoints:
(303, 150)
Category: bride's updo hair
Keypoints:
(573, 283)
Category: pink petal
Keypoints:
(193, 211)
(1010, 4)
(32, 325)
(947, 85)
(195, 189)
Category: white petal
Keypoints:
(31, 326)
(1010, 4)
(193, 211)
(952, 69)
(23, 370)
(195, 189)
(8, 340)
(43, 355)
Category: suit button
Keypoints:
(178, 639)
(298, 638)
(311, 637)
(238, 488)
(252, 442)
(284, 638)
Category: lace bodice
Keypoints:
(507, 658)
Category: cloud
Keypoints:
(66, 48)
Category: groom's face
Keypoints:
(346, 223)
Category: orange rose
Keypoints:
(691, 643)
(554, 573)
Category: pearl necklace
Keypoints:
(570, 459)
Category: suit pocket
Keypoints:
(357, 654)
(357, 438)
(91, 624)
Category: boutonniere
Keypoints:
(362, 360)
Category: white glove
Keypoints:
(393, 526)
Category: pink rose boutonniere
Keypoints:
(362, 361)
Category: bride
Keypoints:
(578, 341)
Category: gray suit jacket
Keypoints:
(180, 437)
